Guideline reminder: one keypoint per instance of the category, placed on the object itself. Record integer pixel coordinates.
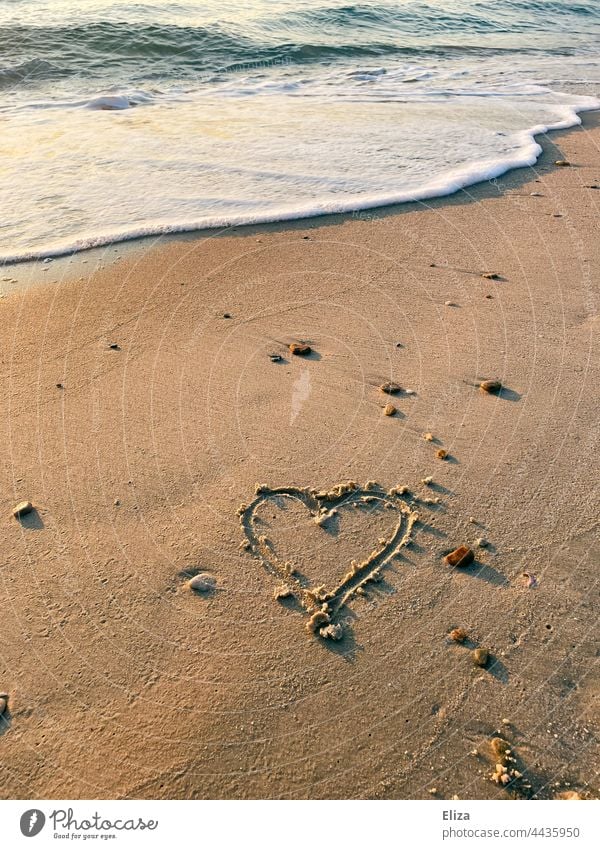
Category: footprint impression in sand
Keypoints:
(305, 538)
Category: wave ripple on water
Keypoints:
(128, 119)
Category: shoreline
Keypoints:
(142, 404)
(69, 263)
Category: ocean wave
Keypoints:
(32, 70)
(525, 152)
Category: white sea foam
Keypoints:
(262, 148)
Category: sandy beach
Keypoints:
(148, 391)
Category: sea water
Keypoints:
(120, 119)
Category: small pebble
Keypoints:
(531, 582)
(226, 315)
(490, 275)
(428, 437)
(202, 583)
(460, 557)
(390, 388)
(490, 386)
(441, 454)
(562, 163)
(22, 509)
(480, 657)
(458, 635)
(427, 481)
(450, 304)
(389, 410)
(114, 346)
(481, 542)
(3, 704)
(536, 195)
(275, 358)
(300, 349)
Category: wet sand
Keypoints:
(122, 682)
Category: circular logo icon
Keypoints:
(32, 822)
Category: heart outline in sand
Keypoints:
(321, 604)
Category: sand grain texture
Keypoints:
(122, 683)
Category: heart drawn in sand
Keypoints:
(323, 596)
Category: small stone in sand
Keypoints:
(571, 795)
(450, 304)
(284, 591)
(226, 315)
(490, 385)
(428, 437)
(461, 556)
(441, 454)
(490, 275)
(536, 194)
(562, 163)
(275, 358)
(22, 509)
(481, 542)
(458, 635)
(300, 349)
(389, 410)
(480, 656)
(332, 632)
(3, 704)
(427, 481)
(59, 386)
(390, 387)
(531, 582)
(114, 346)
(202, 583)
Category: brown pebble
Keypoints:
(490, 275)
(480, 656)
(300, 349)
(458, 635)
(390, 387)
(461, 556)
(22, 509)
(441, 454)
(389, 410)
(114, 346)
(490, 385)
(428, 437)
(562, 163)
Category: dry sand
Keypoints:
(122, 682)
